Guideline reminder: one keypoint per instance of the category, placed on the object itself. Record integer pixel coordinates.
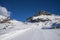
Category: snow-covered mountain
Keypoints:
(42, 26)
(44, 16)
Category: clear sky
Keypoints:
(22, 9)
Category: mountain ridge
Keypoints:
(43, 16)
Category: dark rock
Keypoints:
(42, 12)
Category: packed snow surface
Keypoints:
(17, 30)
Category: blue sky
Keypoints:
(22, 9)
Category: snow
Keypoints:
(32, 34)
(54, 18)
(17, 30)
(12, 34)
(2, 18)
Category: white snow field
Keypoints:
(32, 34)
(17, 30)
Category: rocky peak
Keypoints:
(42, 12)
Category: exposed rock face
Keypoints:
(42, 12)
(4, 19)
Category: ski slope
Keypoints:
(17, 30)
(32, 34)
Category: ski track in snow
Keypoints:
(32, 34)
(12, 34)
